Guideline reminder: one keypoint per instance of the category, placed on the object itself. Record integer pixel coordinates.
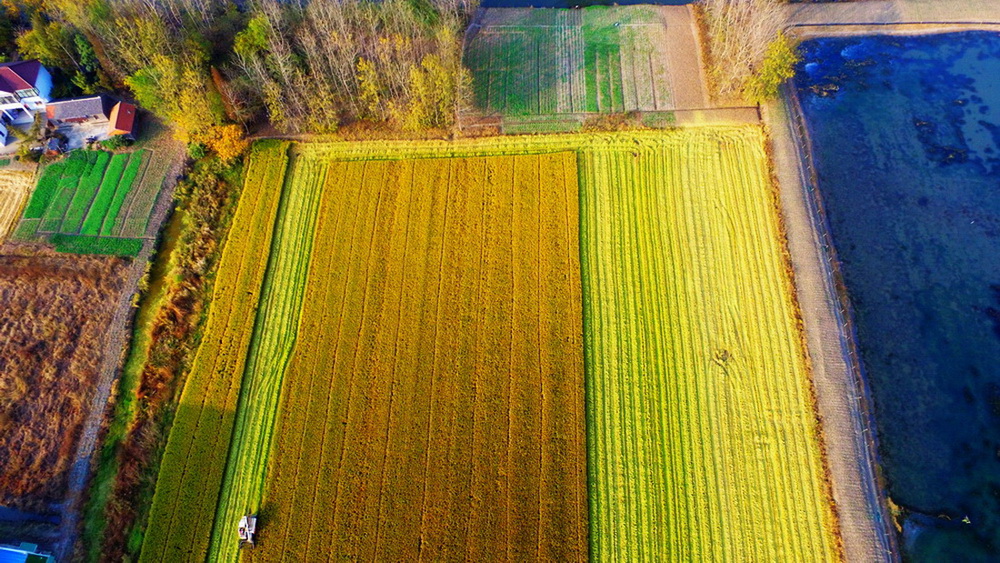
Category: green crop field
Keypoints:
(393, 365)
(701, 434)
(93, 202)
(528, 64)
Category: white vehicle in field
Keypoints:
(248, 525)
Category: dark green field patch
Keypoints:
(82, 201)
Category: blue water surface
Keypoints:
(906, 138)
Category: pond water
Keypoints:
(906, 135)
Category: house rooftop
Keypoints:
(79, 108)
(19, 75)
(123, 118)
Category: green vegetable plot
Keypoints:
(82, 201)
(528, 63)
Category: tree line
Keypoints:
(211, 68)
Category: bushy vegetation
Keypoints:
(748, 55)
(210, 68)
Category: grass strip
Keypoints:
(79, 244)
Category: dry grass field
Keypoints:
(15, 186)
(54, 313)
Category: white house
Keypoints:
(25, 88)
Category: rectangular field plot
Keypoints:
(93, 202)
(15, 186)
(545, 62)
(433, 405)
(702, 437)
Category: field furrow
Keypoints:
(190, 477)
(702, 437)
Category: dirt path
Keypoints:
(848, 426)
(893, 16)
(119, 333)
(845, 419)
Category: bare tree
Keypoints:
(739, 33)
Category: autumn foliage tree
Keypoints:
(748, 54)
(313, 65)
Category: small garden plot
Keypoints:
(529, 64)
(92, 202)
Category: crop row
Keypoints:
(702, 438)
(433, 403)
(86, 190)
(188, 485)
(274, 336)
(77, 164)
(105, 193)
(113, 218)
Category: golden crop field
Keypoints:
(431, 318)
(190, 478)
(15, 187)
(433, 405)
(702, 438)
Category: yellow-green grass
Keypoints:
(702, 437)
(190, 476)
(15, 187)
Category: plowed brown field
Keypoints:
(433, 405)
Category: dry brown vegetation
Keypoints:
(739, 34)
(54, 314)
(15, 185)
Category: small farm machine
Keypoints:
(248, 525)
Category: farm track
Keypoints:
(191, 471)
(423, 355)
(701, 430)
